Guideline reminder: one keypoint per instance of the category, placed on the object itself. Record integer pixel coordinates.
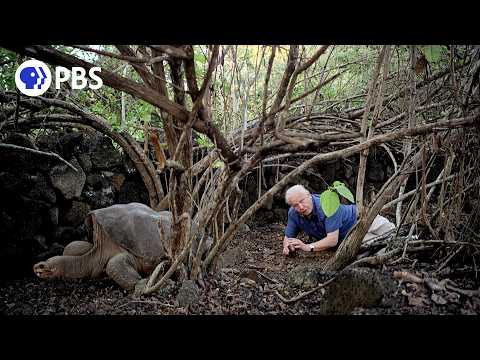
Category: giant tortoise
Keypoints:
(127, 240)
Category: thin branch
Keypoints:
(132, 59)
(302, 295)
(265, 87)
(170, 50)
(412, 192)
(38, 152)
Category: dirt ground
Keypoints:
(245, 284)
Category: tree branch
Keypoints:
(38, 152)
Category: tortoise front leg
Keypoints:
(123, 270)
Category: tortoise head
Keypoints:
(49, 269)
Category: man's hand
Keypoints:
(286, 250)
(287, 246)
(298, 244)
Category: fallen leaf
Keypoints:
(248, 282)
(415, 301)
(452, 297)
(434, 284)
(413, 286)
(438, 299)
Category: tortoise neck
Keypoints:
(87, 265)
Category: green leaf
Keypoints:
(344, 191)
(217, 164)
(330, 202)
(204, 141)
(432, 53)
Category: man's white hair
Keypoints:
(294, 190)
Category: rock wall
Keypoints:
(43, 202)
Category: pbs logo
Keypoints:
(33, 77)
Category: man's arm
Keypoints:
(327, 242)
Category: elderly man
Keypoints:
(306, 214)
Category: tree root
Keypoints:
(433, 284)
(302, 295)
(382, 259)
(146, 302)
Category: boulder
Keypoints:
(229, 257)
(305, 277)
(24, 161)
(251, 277)
(85, 162)
(19, 140)
(53, 213)
(104, 155)
(12, 184)
(76, 214)
(94, 181)
(354, 288)
(33, 217)
(167, 288)
(128, 166)
(100, 198)
(67, 181)
(188, 294)
(41, 189)
(69, 144)
(47, 142)
(206, 245)
(133, 191)
(244, 228)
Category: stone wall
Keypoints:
(43, 202)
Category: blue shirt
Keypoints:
(318, 225)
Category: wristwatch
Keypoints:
(311, 247)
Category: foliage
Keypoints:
(329, 199)
(238, 82)
(237, 85)
(242, 73)
(218, 164)
(8, 66)
(433, 53)
(204, 142)
(106, 102)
